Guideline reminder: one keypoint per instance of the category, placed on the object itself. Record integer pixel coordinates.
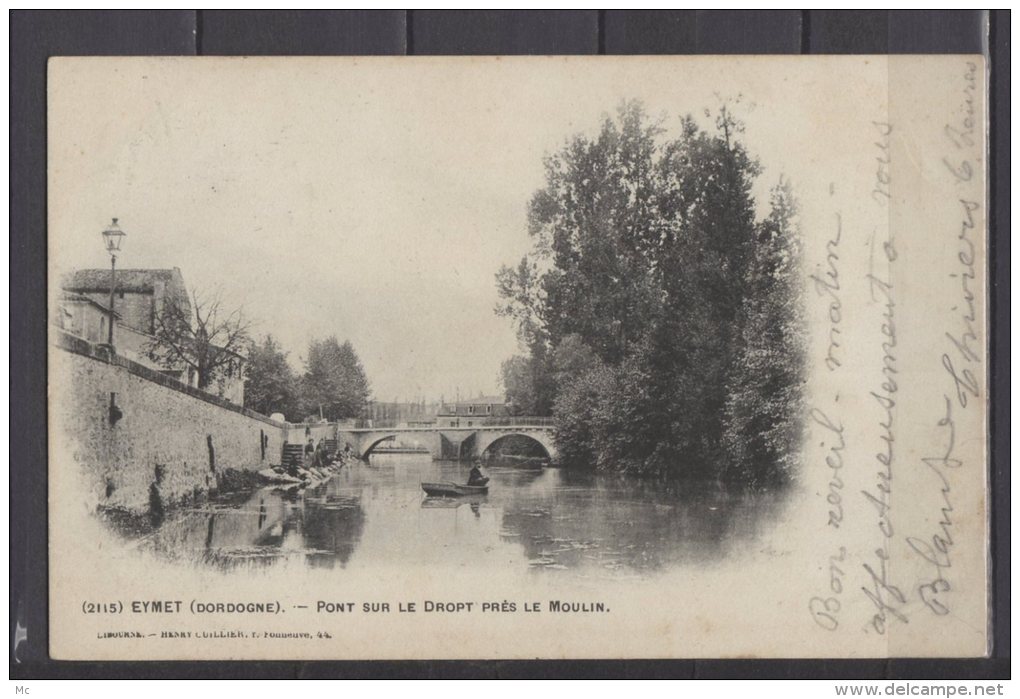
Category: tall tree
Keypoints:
(588, 273)
(706, 225)
(646, 254)
(202, 335)
(334, 383)
(765, 400)
(354, 387)
(270, 384)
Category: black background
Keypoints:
(37, 35)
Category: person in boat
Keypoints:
(476, 477)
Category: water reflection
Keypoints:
(332, 524)
(549, 521)
(614, 524)
(322, 527)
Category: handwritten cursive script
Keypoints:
(883, 594)
(827, 286)
(935, 548)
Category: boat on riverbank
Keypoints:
(452, 490)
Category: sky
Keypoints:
(371, 199)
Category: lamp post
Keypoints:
(112, 238)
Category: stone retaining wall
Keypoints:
(168, 436)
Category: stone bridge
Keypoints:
(445, 442)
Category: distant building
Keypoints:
(83, 310)
(471, 412)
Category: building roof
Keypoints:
(136, 280)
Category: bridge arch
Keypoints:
(487, 440)
(364, 443)
(372, 441)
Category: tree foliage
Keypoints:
(334, 384)
(765, 387)
(660, 305)
(528, 384)
(270, 384)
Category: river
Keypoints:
(553, 522)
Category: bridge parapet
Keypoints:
(523, 421)
(462, 421)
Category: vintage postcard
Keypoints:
(534, 357)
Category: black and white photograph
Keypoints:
(533, 357)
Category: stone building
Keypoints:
(472, 411)
(140, 293)
(89, 319)
(83, 310)
(84, 317)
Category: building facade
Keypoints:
(471, 412)
(140, 294)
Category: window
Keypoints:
(488, 408)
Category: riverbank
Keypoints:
(230, 485)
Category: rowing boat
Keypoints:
(450, 490)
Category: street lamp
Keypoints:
(113, 236)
